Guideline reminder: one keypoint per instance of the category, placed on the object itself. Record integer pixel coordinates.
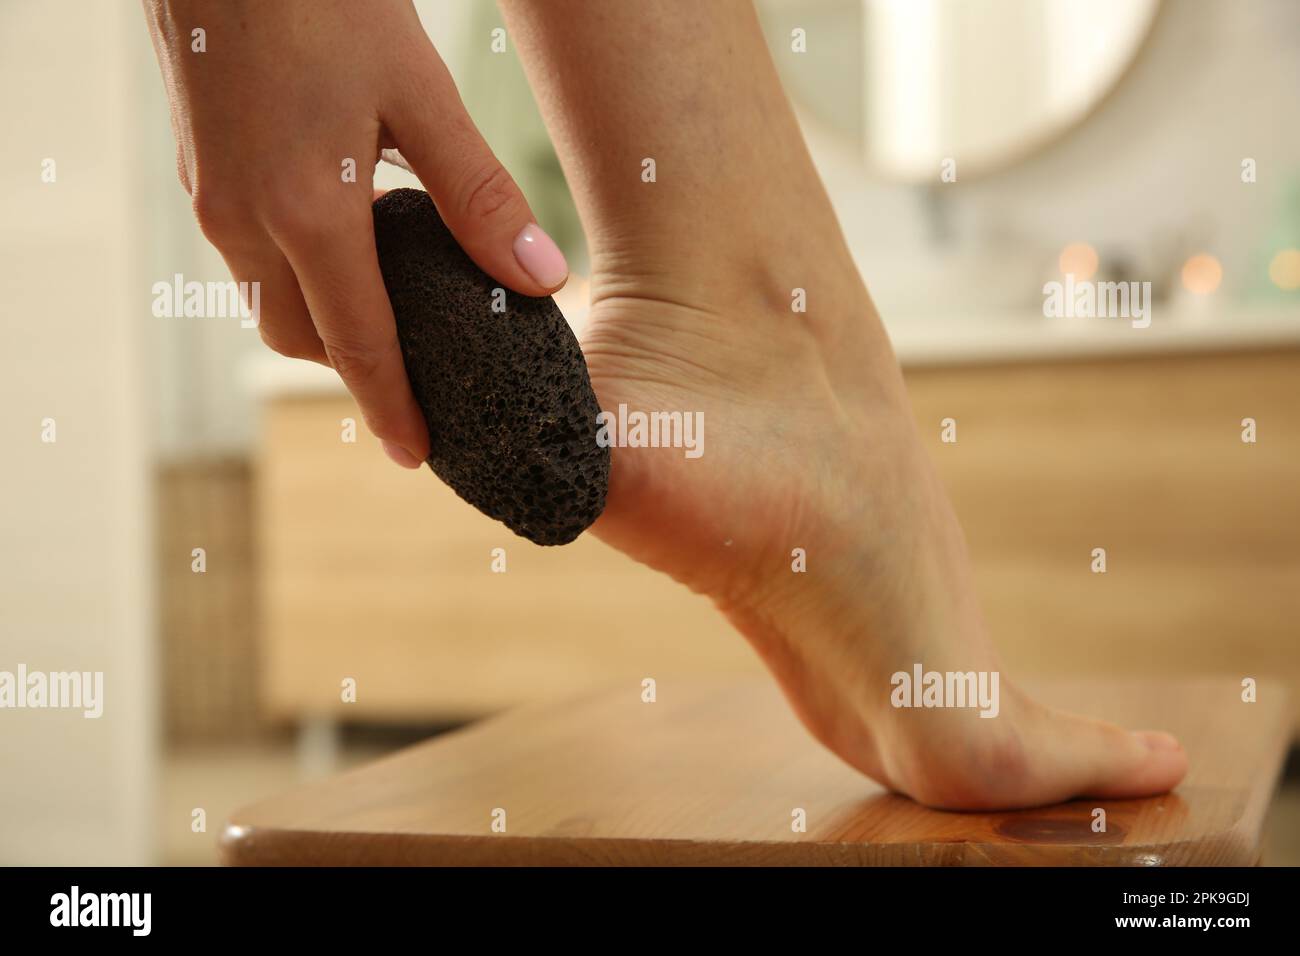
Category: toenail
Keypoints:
(1158, 741)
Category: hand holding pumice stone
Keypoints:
(506, 395)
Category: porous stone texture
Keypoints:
(506, 395)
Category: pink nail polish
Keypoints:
(400, 455)
(540, 257)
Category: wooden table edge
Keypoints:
(241, 846)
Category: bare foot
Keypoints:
(809, 440)
(809, 443)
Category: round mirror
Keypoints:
(911, 83)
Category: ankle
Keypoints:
(756, 254)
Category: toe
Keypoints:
(1139, 764)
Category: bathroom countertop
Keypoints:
(1019, 337)
(974, 338)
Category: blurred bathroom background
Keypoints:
(202, 533)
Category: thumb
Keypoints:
(476, 197)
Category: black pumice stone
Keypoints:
(506, 395)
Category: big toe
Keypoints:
(1138, 764)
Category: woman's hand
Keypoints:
(280, 114)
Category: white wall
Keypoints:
(75, 531)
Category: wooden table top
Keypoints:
(711, 773)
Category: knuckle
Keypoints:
(355, 363)
(296, 219)
(220, 219)
(489, 194)
(289, 346)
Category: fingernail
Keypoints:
(400, 455)
(540, 256)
